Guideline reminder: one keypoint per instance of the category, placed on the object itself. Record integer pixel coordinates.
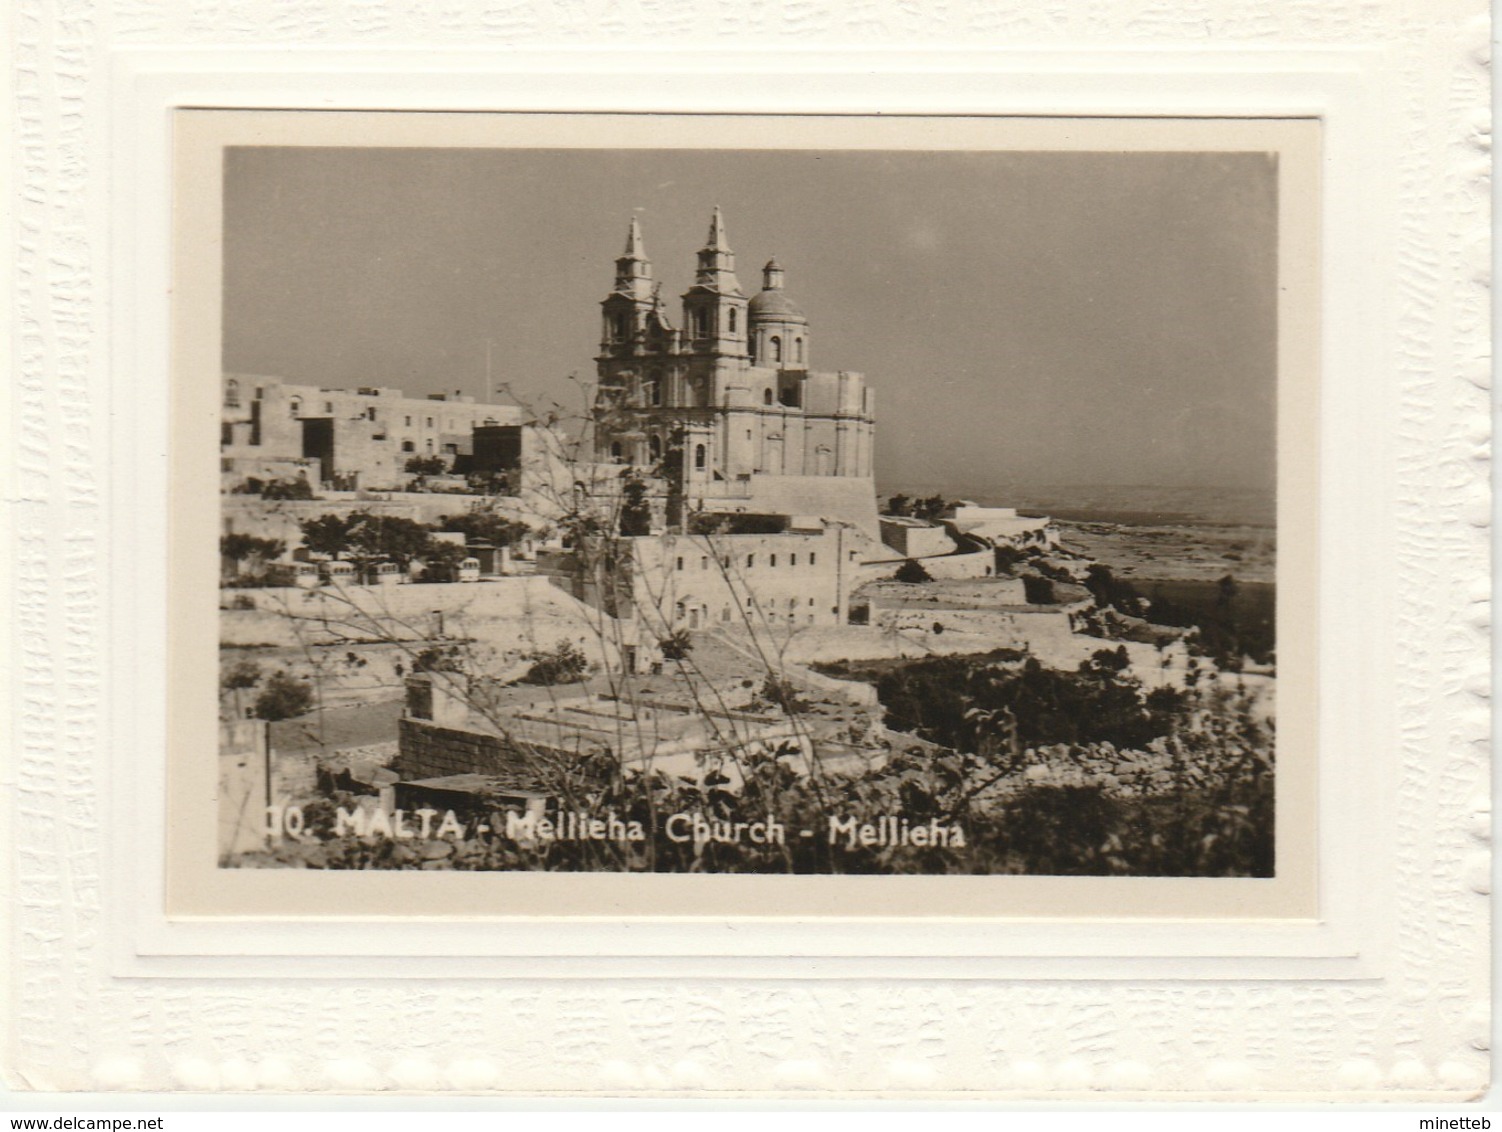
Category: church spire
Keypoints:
(633, 270)
(635, 249)
(716, 260)
(717, 241)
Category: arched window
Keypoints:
(295, 406)
(776, 348)
(701, 456)
(654, 390)
(430, 446)
(654, 447)
(701, 323)
(232, 393)
(408, 446)
(798, 350)
(732, 320)
(766, 396)
(615, 450)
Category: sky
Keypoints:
(1023, 317)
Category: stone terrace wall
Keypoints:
(527, 614)
(430, 751)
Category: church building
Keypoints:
(728, 404)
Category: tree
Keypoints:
(365, 537)
(440, 561)
(636, 510)
(238, 548)
(899, 505)
(1108, 590)
(327, 534)
(482, 523)
(389, 536)
(930, 508)
(912, 572)
(283, 698)
(427, 465)
(241, 677)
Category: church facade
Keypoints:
(728, 403)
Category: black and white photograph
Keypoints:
(867, 558)
(749, 510)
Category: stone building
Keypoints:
(728, 406)
(792, 579)
(350, 439)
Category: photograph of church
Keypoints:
(509, 584)
(733, 381)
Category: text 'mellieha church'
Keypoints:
(761, 431)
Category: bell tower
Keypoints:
(631, 300)
(714, 308)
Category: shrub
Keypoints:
(1007, 557)
(287, 489)
(677, 646)
(243, 674)
(565, 664)
(283, 698)
(437, 658)
(783, 694)
(1037, 591)
(912, 572)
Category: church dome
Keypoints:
(775, 305)
(772, 304)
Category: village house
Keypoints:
(352, 439)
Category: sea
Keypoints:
(1129, 505)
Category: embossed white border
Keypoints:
(1326, 87)
(1388, 995)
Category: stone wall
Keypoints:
(704, 581)
(429, 751)
(514, 616)
(294, 774)
(282, 518)
(846, 499)
(990, 628)
(914, 538)
(975, 564)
